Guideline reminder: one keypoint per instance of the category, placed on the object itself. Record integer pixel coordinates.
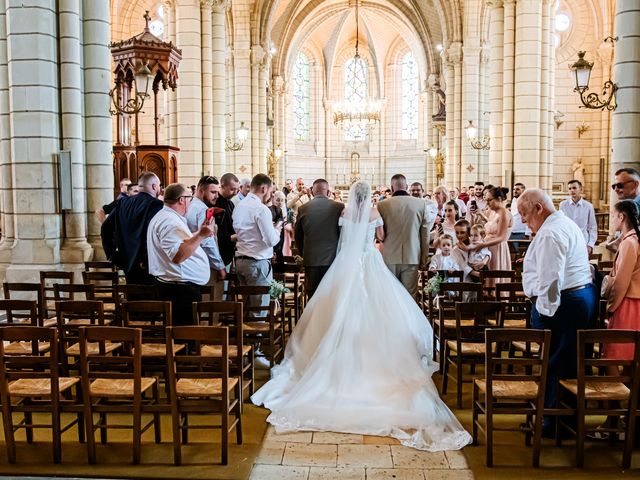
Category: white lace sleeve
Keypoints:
(378, 222)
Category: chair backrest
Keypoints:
(152, 317)
(39, 364)
(229, 314)
(104, 282)
(100, 266)
(594, 368)
(47, 280)
(506, 367)
(605, 266)
(72, 315)
(69, 291)
(513, 292)
(481, 313)
(26, 291)
(452, 292)
(132, 291)
(97, 364)
(240, 292)
(19, 312)
(497, 274)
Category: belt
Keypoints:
(245, 257)
(174, 282)
(566, 290)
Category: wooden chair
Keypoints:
(104, 284)
(599, 391)
(22, 313)
(229, 315)
(296, 298)
(29, 291)
(489, 280)
(472, 319)
(71, 316)
(114, 384)
(31, 384)
(264, 331)
(131, 291)
(47, 280)
(70, 291)
(287, 301)
(520, 391)
(200, 384)
(605, 267)
(97, 266)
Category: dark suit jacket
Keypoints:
(224, 221)
(317, 232)
(124, 232)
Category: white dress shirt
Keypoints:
(167, 231)
(582, 213)
(555, 261)
(441, 262)
(252, 221)
(196, 216)
(517, 225)
(461, 207)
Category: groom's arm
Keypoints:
(425, 227)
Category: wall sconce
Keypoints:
(582, 72)
(242, 133)
(275, 154)
(472, 136)
(583, 128)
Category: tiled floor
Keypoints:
(324, 455)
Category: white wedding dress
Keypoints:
(359, 359)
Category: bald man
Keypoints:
(557, 279)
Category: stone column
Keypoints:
(508, 78)
(546, 98)
(207, 86)
(257, 61)
(35, 139)
(172, 96)
(6, 180)
(264, 70)
(447, 147)
(527, 91)
(625, 129)
(75, 248)
(242, 104)
(218, 58)
(279, 122)
(189, 113)
(471, 110)
(98, 128)
(496, 66)
(454, 161)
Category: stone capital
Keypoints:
(454, 52)
(495, 3)
(215, 4)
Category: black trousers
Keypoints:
(139, 276)
(312, 278)
(181, 296)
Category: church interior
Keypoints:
(446, 92)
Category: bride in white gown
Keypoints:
(358, 361)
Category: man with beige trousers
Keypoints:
(407, 222)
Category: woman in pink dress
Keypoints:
(498, 229)
(622, 286)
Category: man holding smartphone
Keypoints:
(476, 203)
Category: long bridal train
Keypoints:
(358, 360)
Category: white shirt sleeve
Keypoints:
(592, 227)
(550, 281)
(269, 234)
(171, 238)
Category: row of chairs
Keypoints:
(114, 383)
(515, 385)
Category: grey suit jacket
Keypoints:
(317, 232)
(407, 222)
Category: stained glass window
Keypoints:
(410, 92)
(301, 97)
(355, 92)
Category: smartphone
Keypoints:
(474, 204)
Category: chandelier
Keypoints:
(358, 111)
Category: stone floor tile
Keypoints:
(374, 440)
(340, 473)
(336, 438)
(406, 457)
(394, 474)
(278, 472)
(365, 456)
(271, 453)
(450, 475)
(299, 437)
(456, 459)
(310, 454)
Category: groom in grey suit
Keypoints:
(317, 234)
(407, 222)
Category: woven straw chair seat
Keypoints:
(452, 323)
(510, 323)
(258, 327)
(25, 348)
(202, 387)
(216, 350)
(93, 348)
(50, 322)
(468, 348)
(522, 346)
(599, 390)
(158, 349)
(517, 390)
(118, 387)
(38, 387)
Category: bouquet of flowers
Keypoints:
(276, 289)
(433, 285)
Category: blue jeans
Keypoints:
(577, 311)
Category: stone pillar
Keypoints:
(546, 98)
(625, 129)
(98, 128)
(279, 122)
(207, 86)
(264, 70)
(447, 147)
(189, 113)
(508, 78)
(172, 95)
(242, 104)
(527, 91)
(218, 58)
(454, 161)
(75, 248)
(35, 139)
(471, 110)
(6, 180)
(496, 66)
(257, 62)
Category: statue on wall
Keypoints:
(434, 84)
(578, 170)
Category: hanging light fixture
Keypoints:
(361, 112)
